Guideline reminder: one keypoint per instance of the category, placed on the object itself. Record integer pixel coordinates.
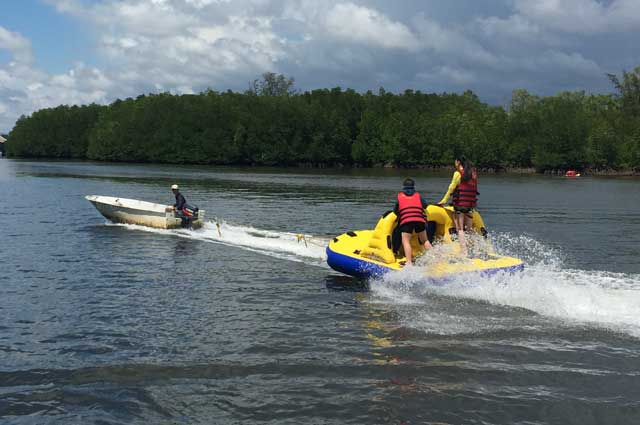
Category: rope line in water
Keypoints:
(303, 238)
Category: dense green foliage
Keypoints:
(61, 132)
(271, 124)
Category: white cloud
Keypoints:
(185, 46)
(459, 76)
(19, 46)
(24, 88)
(360, 24)
(154, 19)
(582, 16)
(514, 27)
(81, 85)
(452, 44)
(182, 43)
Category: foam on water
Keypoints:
(569, 296)
(594, 298)
(284, 245)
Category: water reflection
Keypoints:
(117, 325)
(346, 283)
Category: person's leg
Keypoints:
(459, 220)
(422, 238)
(396, 240)
(179, 214)
(468, 221)
(468, 227)
(406, 244)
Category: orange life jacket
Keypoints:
(466, 194)
(410, 208)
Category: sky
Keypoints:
(55, 52)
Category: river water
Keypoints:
(105, 324)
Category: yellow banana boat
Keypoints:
(370, 253)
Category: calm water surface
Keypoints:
(107, 324)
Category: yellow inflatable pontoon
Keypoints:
(369, 253)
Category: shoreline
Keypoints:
(489, 170)
(340, 166)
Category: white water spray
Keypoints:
(570, 297)
(600, 299)
(291, 246)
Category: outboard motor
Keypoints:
(190, 211)
(188, 214)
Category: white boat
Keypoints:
(133, 211)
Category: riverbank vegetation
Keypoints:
(271, 124)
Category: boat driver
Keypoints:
(180, 205)
(180, 201)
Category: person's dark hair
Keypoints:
(408, 182)
(467, 166)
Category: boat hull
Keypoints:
(371, 253)
(362, 268)
(132, 211)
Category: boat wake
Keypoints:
(546, 290)
(290, 246)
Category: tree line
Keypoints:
(4, 136)
(272, 124)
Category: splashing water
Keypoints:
(571, 297)
(595, 298)
(284, 245)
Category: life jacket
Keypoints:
(410, 208)
(466, 194)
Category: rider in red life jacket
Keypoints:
(464, 188)
(410, 209)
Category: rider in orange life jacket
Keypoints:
(464, 188)
(410, 207)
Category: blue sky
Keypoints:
(81, 51)
(57, 40)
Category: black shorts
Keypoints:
(413, 226)
(463, 210)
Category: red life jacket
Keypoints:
(410, 208)
(466, 194)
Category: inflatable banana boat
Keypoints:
(370, 253)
